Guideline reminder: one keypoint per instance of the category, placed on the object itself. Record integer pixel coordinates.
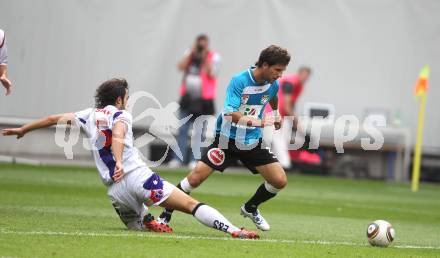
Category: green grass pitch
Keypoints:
(65, 212)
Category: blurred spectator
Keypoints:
(200, 66)
(4, 63)
(291, 87)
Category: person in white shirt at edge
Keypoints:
(132, 186)
(4, 64)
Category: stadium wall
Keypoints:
(363, 54)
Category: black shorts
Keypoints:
(223, 151)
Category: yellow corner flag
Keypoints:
(422, 82)
(420, 92)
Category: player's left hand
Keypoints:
(13, 131)
(278, 122)
(119, 172)
(7, 84)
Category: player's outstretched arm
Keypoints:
(37, 124)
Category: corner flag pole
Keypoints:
(418, 147)
(421, 88)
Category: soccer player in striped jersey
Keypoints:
(239, 133)
(131, 185)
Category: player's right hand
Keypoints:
(13, 131)
(278, 122)
(119, 172)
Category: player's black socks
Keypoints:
(167, 213)
(260, 196)
(306, 145)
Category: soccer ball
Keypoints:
(380, 233)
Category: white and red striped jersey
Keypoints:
(97, 124)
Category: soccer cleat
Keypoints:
(152, 225)
(256, 217)
(245, 234)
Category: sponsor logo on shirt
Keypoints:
(264, 99)
(250, 111)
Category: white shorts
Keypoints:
(137, 190)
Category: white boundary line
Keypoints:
(166, 236)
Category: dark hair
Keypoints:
(273, 55)
(109, 91)
(305, 69)
(202, 37)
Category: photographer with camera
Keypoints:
(200, 67)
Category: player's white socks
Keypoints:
(186, 187)
(212, 218)
(270, 188)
